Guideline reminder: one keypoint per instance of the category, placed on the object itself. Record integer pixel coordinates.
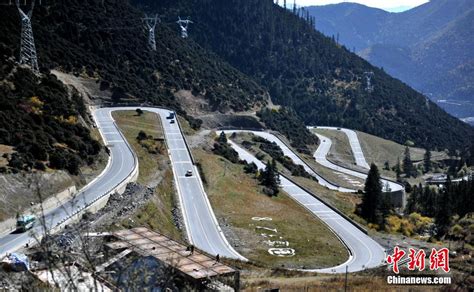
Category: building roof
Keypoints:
(150, 243)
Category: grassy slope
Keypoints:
(131, 125)
(157, 213)
(376, 150)
(321, 170)
(340, 149)
(235, 197)
(342, 201)
(379, 150)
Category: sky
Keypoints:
(391, 5)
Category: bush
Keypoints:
(250, 168)
(57, 160)
(226, 151)
(40, 166)
(142, 136)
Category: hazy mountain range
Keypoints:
(430, 47)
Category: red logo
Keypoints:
(398, 254)
(439, 259)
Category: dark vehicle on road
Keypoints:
(25, 222)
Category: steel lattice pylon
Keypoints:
(151, 24)
(27, 50)
(183, 24)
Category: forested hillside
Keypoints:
(108, 40)
(429, 47)
(322, 81)
(42, 122)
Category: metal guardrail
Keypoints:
(185, 140)
(110, 191)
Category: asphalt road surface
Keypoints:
(321, 157)
(365, 252)
(355, 145)
(201, 225)
(120, 167)
(287, 152)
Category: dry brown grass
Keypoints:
(157, 213)
(236, 197)
(131, 124)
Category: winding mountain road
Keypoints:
(364, 251)
(325, 145)
(201, 224)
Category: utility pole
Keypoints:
(345, 281)
(151, 24)
(27, 49)
(368, 78)
(183, 24)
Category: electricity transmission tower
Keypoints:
(368, 78)
(27, 50)
(151, 24)
(183, 24)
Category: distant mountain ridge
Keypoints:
(321, 81)
(430, 47)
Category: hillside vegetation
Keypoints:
(323, 82)
(429, 47)
(42, 122)
(108, 40)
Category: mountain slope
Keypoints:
(107, 40)
(429, 47)
(43, 122)
(306, 71)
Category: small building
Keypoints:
(140, 259)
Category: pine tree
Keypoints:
(412, 200)
(270, 177)
(398, 169)
(444, 208)
(372, 195)
(407, 163)
(222, 138)
(427, 161)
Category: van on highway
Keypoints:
(25, 222)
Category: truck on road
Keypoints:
(25, 222)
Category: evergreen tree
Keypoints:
(444, 208)
(427, 161)
(222, 138)
(407, 163)
(371, 199)
(270, 177)
(413, 198)
(398, 169)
